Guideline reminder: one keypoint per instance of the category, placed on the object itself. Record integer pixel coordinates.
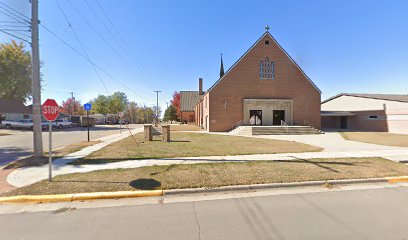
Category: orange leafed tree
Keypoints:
(72, 107)
(176, 102)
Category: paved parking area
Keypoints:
(20, 143)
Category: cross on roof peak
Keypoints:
(267, 28)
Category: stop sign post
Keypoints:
(50, 111)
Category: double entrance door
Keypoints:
(255, 117)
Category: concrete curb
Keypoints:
(285, 185)
(150, 193)
(79, 196)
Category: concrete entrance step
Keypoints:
(274, 130)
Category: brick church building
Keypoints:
(264, 87)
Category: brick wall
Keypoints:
(243, 81)
(187, 117)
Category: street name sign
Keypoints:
(87, 106)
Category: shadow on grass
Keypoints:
(141, 184)
(145, 184)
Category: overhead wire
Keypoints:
(15, 36)
(12, 15)
(22, 16)
(130, 50)
(99, 34)
(126, 51)
(14, 27)
(83, 48)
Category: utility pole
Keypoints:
(167, 103)
(157, 106)
(36, 85)
(73, 103)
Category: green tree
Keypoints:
(118, 102)
(170, 114)
(132, 112)
(15, 72)
(149, 114)
(100, 104)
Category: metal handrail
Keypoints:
(284, 124)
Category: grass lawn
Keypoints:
(382, 138)
(191, 145)
(33, 161)
(185, 127)
(215, 175)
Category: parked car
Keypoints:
(22, 124)
(61, 123)
(25, 123)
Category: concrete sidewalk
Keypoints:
(333, 143)
(28, 175)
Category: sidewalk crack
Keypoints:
(196, 220)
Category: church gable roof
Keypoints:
(188, 100)
(249, 50)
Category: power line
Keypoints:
(88, 60)
(5, 21)
(14, 26)
(83, 48)
(22, 16)
(120, 44)
(130, 50)
(92, 26)
(13, 15)
(15, 36)
(117, 41)
(14, 30)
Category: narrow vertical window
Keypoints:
(266, 69)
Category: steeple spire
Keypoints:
(221, 68)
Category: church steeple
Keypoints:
(221, 68)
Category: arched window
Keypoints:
(266, 69)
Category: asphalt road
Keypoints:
(357, 214)
(20, 143)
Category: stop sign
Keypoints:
(50, 109)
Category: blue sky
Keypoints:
(343, 46)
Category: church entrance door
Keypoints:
(278, 116)
(255, 117)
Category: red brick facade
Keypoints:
(187, 117)
(222, 105)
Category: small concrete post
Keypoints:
(166, 133)
(148, 133)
